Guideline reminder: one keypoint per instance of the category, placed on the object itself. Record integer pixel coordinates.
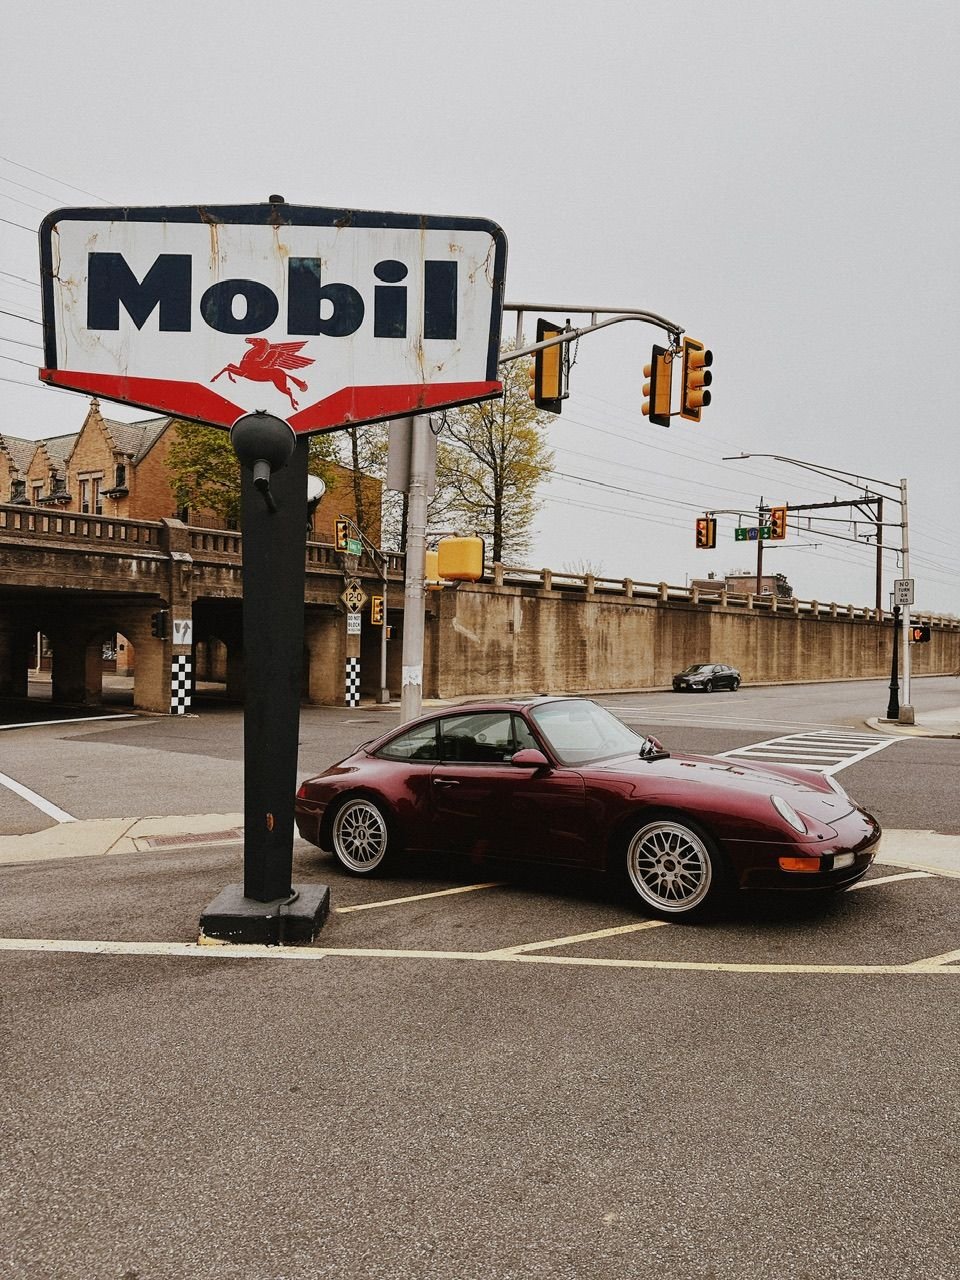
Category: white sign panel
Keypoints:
(323, 317)
(182, 631)
(903, 591)
(353, 624)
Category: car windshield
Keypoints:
(578, 731)
(695, 670)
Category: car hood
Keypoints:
(809, 793)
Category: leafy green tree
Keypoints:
(491, 459)
(205, 473)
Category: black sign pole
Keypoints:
(267, 907)
(893, 706)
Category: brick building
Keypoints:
(121, 469)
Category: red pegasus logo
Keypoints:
(268, 362)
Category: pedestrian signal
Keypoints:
(920, 633)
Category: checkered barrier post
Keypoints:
(180, 685)
(353, 682)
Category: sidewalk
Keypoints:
(930, 724)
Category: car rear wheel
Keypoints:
(361, 836)
(673, 868)
(735, 684)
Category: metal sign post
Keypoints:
(275, 321)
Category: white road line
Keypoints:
(38, 802)
(39, 724)
(904, 875)
(820, 750)
(418, 897)
(934, 965)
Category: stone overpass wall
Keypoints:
(511, 636)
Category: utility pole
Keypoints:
(762, 512)
(906, 707)
(411, 692)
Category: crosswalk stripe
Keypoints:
(823, 751)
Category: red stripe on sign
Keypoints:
(370, 404)
(348, 407)
(188, 399)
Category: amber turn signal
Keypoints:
(799, 864)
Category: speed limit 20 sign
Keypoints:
(324, 317)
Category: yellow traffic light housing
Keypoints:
(656, 388)
(547, 371)
(376, 611)
(342, 534)
(707, 532)
(460, 559)
(695, 379)
(777, 520)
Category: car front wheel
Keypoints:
(673, 868)
(360, 836)
(735, 685)
(708, 687)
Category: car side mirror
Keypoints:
(530, 758)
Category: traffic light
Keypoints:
(656, 389)
(546, 372)
(707, 532)
(342, 534)
(777, 520)
(376, 611)
(695, 378)
(158, 624)
(920, 633)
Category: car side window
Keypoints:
(478, 738)
(419, 743)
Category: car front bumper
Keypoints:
(841, 861)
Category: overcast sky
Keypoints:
(777, 178)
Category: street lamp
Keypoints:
(906, 714)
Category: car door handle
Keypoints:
(445, 782)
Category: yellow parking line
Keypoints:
(418, 897)
(524, 947)
(936, 965)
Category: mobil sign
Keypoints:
(324, 317)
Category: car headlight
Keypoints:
(789, 814)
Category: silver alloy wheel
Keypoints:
(669, 866)
(736, 683)
(709, 686)
(360, 836)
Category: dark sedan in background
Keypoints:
(563, 782)
(705, 677)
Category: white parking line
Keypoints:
(418, 897)
(904, 875)
(38, 802)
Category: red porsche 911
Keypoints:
(563, 782)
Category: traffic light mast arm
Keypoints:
(617, 316)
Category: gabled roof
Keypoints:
(59, 447)
(135, 438)
(20, 451)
